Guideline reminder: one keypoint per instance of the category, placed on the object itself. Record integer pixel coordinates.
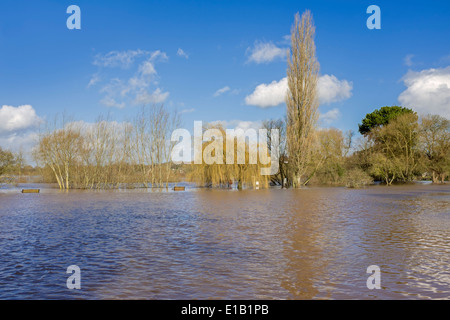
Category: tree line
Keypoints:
(108, 154)
(395, 144)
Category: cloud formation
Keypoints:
(17, 127)
(94, 80)
(427, 91)
(329, 116)
(18, 118)
(145, 97)
(408, 60)
(330, 89)
(238, 125)
(137, 88)
(268, 95)
(123, 59)
(221, 91)
(181, 53)
(264, 52)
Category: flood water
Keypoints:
(312, 243)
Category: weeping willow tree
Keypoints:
(228, 161)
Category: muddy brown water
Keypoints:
(313, 243)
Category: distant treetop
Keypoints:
(381, 117)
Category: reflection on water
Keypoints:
(215, 244)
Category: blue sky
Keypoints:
(214, 60)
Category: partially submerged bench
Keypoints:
(30, 190)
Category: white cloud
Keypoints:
(263, 52)
(145, 97)
(181, 53)
(408, 60)
(241, 125)
(330, 89)
(18, 118)
(238, 124)
(137, 89)
(111, 102)
(20, 141)
(428, 91)
(94, 80)
(147, 68)
(123, 59)
(329, 116)
(268, 95)
(17, 127)
(221, 91)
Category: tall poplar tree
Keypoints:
(301, 98)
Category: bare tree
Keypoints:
(435, 143)
(59, 150)
(280, 125)
(152, 130)
(301, 98)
